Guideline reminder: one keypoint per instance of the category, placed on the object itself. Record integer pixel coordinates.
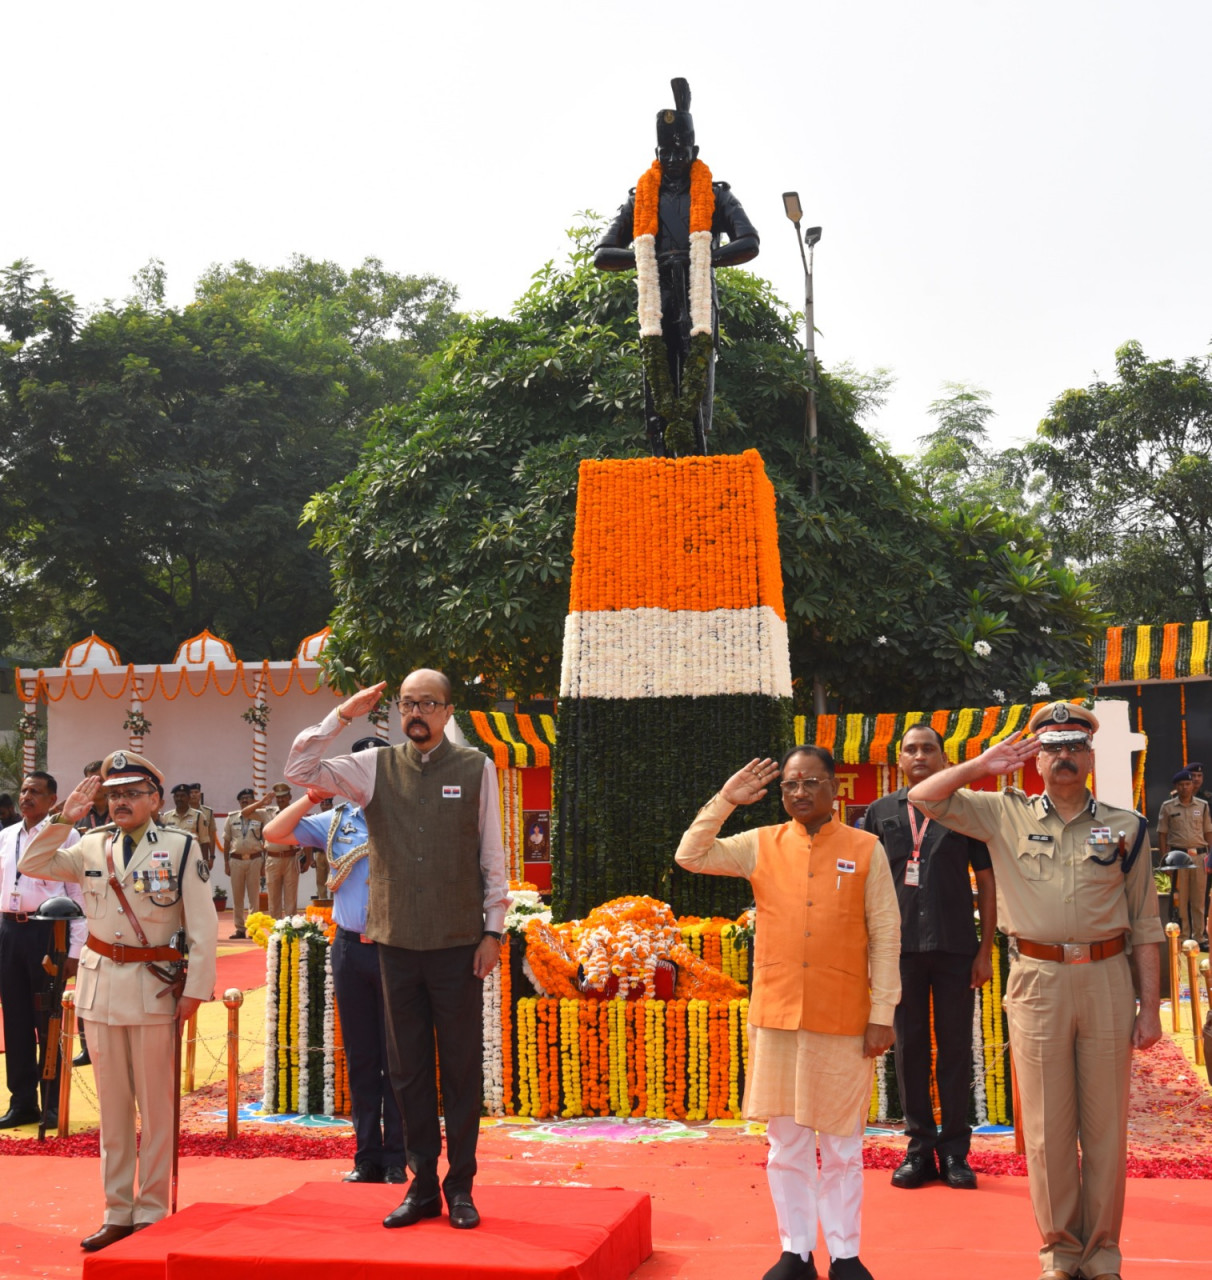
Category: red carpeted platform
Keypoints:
(541, 1233)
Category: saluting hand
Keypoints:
(1009, 755)
(81, 799)
(361, 702)
(749, 785)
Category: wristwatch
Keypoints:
(488, 933)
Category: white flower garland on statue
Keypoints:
(700, 282)
(330, 1034)
(304, 1047)
(648, 286)
(269, 1079)
(978, 1060)
(494, 1066)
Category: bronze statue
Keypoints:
(673, 220)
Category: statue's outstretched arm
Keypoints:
(612, 252)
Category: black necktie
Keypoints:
(128, 850)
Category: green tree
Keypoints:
(451, 540)
(158, 460)
(1127, 467)
(956, 462)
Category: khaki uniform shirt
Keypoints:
(242, 836)
(1185, 826)
(1050, 889)
(192, 820)
(129, 994)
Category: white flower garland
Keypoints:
(978, 1059)
(269, 1079)
(330, 1035)
(700, 282)
(301, 1040)
(494, 1064)
(648, 286)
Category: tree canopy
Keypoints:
(157, 460)
(451, 539)
(1127, 466)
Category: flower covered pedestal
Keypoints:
(675, 672)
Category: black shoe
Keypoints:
(363, 1172)
(791, 1266)
(395, 1173)
(462, 1212)
(102, 1238)
(414, 1208)
(848, 1269)
(915, 1171)
(82, 1059)
(957, 1172)
(14, 1117)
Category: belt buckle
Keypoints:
(118, 953)
(21, 917)
(1076, 953)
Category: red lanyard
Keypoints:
(918, 835)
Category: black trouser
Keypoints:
(378, 1125)
(947, 975)
(426, 992)
(22, 978)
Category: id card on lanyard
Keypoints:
(913, 868)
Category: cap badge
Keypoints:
(1061, 714)
(118, 761)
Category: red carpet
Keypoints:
(536, 1233)
(711, 1214)
(244, 969)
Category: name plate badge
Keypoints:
(451, 793)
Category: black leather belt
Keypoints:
(20, 917)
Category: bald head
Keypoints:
(431, 677)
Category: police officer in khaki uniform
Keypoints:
(244, 857)
(1076, 899)
(127, 966)
(1184, 822)
(281, 861)
(208, 831)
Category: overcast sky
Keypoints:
(1008, 191)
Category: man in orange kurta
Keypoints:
(826, 982)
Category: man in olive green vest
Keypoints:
(438, 895)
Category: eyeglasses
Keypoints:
(797, 785)
(128, 793)
(426, 706)
(1055, 748)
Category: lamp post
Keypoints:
(791, 204)
(811, 237)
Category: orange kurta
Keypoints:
(796, 1069)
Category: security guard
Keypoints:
(148, 906)
(1076, 899)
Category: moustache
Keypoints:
(1066, 764)
(415, 723)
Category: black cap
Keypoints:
(180, 787)
(1183, 775)
(1195, 766)
(368, 744)
(675, 127)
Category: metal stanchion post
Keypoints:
(191, 1050)
(233, 998)
(1191, 949)
(1206, 970)
(1172, 932)
(67, 1031)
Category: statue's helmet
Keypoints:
(60, 907)
(675, 126)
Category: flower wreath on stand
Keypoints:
(136, 724)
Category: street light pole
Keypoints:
(791, 204)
